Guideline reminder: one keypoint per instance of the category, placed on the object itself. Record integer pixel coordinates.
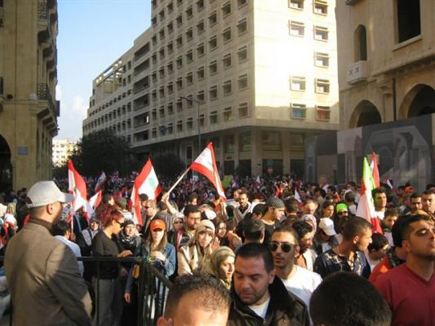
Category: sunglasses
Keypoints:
(286, 247)
(120, 224)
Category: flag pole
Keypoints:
(178, 181)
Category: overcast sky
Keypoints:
(92, 35)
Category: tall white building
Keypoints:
(62, 150)
(263, 76)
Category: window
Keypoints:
(179, 41)
(189, 78)
(200, 73)
(162, 92)
(408, 19)
(170, 67)
(154, 114)
(179, 83)
(200, 27)
(226, 61)
(229, 144)
(212, 19)
(179, 105)
(170, 47)
(321, 59)
(170, 108)
(299, 111)
(320, 33)
(189, 123)
(162, 53)
(179, 20)
(189, 34)
(320, 7)
(228, 114)
(243, 82)
(322, 86)
(189, 12)
(201, 96)
(154, 21)
(213, 67)
(213, 118)
(162, 14)
(297, 83)
(162, 111)
(245, 141)
(226, 35)
(162, 73)
(179, 62)
(226, 9)
(360, 40)
(154, 58)
(242, 26)
(213, 93)
(170, 7)
(227, 88)
(170, 128)
(199, 5)
(162, 34)
(179, 125)
(212, 43)
(189, 56)
(296, 29)
(154, 95)
(200, 50)
(154, 39)
(242, 54)
(241, 3)
(296, 4)
(323, 113)
(154, 77)
(243, 110)
(154, 133)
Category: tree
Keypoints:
(168, 165)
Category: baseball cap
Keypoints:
(157, 224)
(327, 225)
(46, 192)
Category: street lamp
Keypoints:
(198, 103)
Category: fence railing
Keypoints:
(153, 288)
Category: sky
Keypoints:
(92, 35)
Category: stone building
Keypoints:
(28, 77)
(254, 77)
(62, 150)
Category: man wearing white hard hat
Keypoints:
(42, 272)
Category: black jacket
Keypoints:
(284, 309)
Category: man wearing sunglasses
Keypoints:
(284, 245)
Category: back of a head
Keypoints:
(302, 228)
(256, 250)
(355, 226)
(61, 228)
(379, 241)
(259, 209)
(349, 196)
(208, 293)
(107, 197)
(291, 205)
(346, 299)
(253, 229)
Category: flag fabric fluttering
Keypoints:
(375, 170)
(93, 203)
(77, 187)
(146, 183)
(366, 207)
(101, 180)
(205, 164)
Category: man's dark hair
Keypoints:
(392, 212)
(378, 242)
(253, 229)
(191, 197)
(321, 190)
(61, 228)
(291, 205)
(396, 231)
(287, 229)
(430, 185)
(427, 192)
(208, 293)
(332, 188)
(405, 225)
(337, 302)
(401, 188)
(415, 195)
(349, 196)
(302, 228)
(162, 206)
(259, 209)
(379, 190)
(355, 226)
(143, 197)
(106, 197)
(190, 209)
(255, 250)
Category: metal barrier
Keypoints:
(153, 288)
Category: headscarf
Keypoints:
(217, 257)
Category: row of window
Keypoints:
(299, 111)
(298, 83)
(112, 101)
(226, 10)
(120, 126)
(298, 29)
(320, 7)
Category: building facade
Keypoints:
(28, 77)
(253, 77)
(62, 150)
(386, 51)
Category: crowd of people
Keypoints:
(275, 252)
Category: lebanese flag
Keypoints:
(93, 203)
(77, 187)
(101, 179)
(146, 183)
(205, 164)
(389, 183)
(366, 207)
(120, 193)
(298, 196)
(375, 170)
(258, 182)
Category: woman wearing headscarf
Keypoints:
(221, 265)
(197, 252)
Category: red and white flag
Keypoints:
(375, 170)
(93, 203)
(146, 183)
(205, 164)
(298, 196)
(77, 187)
(389, 183)
(101, 179)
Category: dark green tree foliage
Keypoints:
(168, 165)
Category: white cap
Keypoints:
(327, 225)
(46, 192)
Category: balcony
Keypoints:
(351, 2)
(43, 94)
(357, 72)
